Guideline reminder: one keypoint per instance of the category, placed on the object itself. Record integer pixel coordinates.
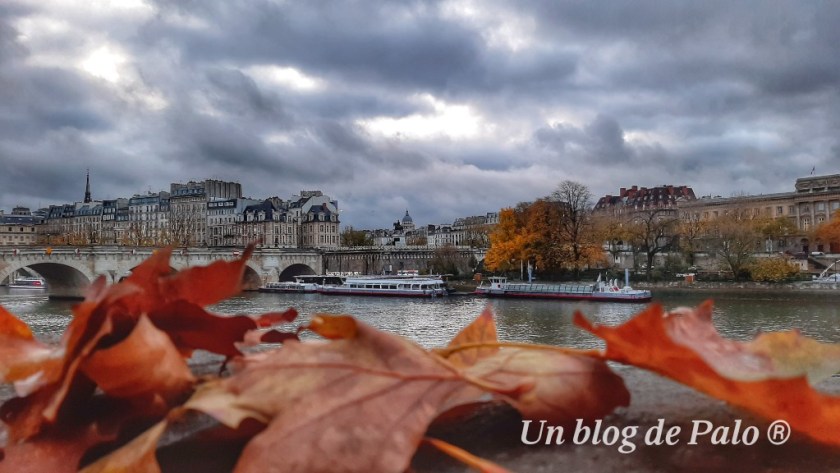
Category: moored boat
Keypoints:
(28, 283)
(399, 287)
(603, 291)
(305, 284)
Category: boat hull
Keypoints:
(340, 291)
(28, 283)
(287, 290)
(595, 296)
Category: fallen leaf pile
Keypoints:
(357, 400)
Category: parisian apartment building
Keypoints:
(208, 213)
(215, 213)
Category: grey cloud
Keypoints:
(600, 141)
(239, 95)
(709, 94)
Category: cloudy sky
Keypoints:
(446, 108)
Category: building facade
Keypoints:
(635, 199)
(148, 220)
(18, 228)
(813, 201)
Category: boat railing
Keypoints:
(550, 288)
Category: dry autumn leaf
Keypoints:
(543, 383)
(481, 332)
(768, 376)
(355, 404)
(128, 339)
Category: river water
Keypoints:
(433, 323)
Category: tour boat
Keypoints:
(603, 291)
(388, 286)
(306, 284)
(28, 283)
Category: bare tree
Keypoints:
(653, 231)
(734, 238)
(692, 232)
(575, 225)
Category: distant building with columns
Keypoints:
(812, 202)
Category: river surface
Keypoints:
(433, 323)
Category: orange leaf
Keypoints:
(137, 456)
(205, 285)
(272, 318)
(339, 401)
(541, 382)
(771, 382)
(59, 452)
(145, 364)
(11, 326)
(553, 386)
(191, 327)
(481, 330)
(333, 326)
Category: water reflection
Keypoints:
(434, 322)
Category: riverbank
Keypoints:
(798, 287)
(742, 287)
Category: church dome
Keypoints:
(407, 218)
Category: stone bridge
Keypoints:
(68, 270)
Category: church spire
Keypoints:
(87, 188)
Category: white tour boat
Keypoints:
(306, 284)
(28, 283)
(388, 286)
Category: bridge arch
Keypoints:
(62, 279)
(298, 269)
(251, 279)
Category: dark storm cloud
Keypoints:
(398, 43)
(723, 96)
(601, 141)
(238, 94)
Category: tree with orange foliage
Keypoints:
(543, 239)
(507, 242)
(829, 231)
